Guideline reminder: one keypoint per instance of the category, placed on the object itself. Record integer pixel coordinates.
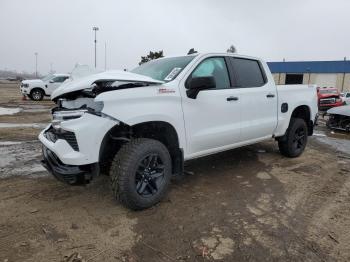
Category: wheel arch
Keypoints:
(304, 112)
(157, 130)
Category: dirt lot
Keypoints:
(249, 204)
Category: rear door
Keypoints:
(258, 98)
(212, 120)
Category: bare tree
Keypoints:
(232, 49)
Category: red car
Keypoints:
(328, 97)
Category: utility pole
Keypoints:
(36, 64)
(344, 75)
(105, 56)
(51, 68)
(95, 28)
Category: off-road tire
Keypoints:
(287, 144)
(123, 172)
(36, 94)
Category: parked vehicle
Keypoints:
(345, 97)
(140, 126)
(339, 118)
(36, 89)
(328, 97)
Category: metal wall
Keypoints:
(322, 80)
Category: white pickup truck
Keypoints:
(36, 89)
(140, 126)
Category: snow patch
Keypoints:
(14, 125)
(9, 111)
(341, 145)
(9, 143)
(21, 159)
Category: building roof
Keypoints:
(310, 67)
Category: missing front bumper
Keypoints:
(70, 174)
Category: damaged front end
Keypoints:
(339, 118)
(72, 142)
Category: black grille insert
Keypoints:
(53, 135)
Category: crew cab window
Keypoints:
(348, 95)
(248, 72)
(216, 67)
(59, 79)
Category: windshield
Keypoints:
(165, 69)
(329, 91)
(48, 77)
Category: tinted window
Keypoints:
(59, 79)
(248, 72)
(216, 67)
(165, 69)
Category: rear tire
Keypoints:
(293, 143)
(37, 94)
(140, 173)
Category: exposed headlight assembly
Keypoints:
(59, 116)
(63, 115)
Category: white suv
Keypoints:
(36, 89)
(139, 127)
(345, 97)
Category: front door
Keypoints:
(212, 119)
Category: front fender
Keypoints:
(145, 105)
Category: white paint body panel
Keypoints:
(295, 95)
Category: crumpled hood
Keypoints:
(33, 81)
(321, 96)
(113, 75)
(340, 110)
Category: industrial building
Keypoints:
(321, 73)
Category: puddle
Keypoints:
(21, 159)
(341, 145)
(36, 110)
(33, 125)
(9, 111)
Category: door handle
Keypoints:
(270, 95)
(232, 98)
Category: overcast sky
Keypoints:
(61, 31)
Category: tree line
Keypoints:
(160, 54)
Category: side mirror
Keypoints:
(197, 84)
(51, 81)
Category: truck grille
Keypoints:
(53, 136)
(326, 101)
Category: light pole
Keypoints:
(36, 64)
(95, 28)
(105, 56)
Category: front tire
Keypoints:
(293, 143)
(37, 94)
(140, 173)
